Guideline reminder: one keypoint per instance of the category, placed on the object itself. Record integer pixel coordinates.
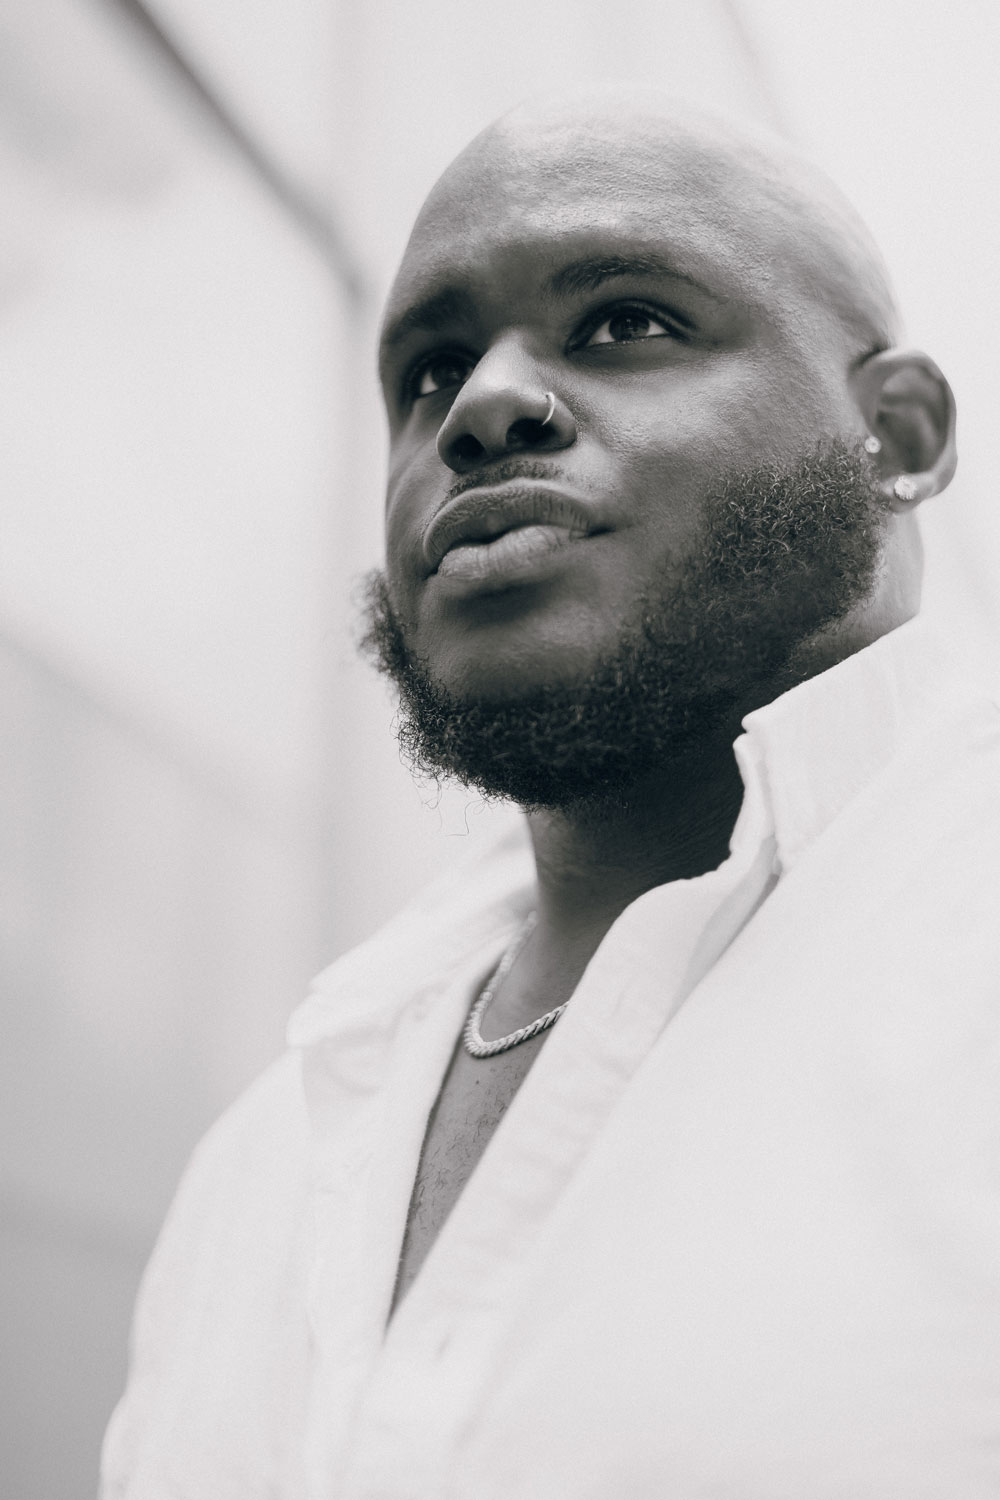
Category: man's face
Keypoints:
(672, 313)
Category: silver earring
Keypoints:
(551, 406)
(872, 444)
(905, 488)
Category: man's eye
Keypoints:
(629, 324)
(439, 374)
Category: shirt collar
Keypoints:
(818, 744)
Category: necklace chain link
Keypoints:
(472, 1035)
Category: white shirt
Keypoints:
(736, 1238)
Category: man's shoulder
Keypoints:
(257, 1148)
(223, 1293)
(265, 1117)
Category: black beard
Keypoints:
(783, 553)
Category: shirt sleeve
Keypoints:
(219, 1339)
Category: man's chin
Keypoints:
(552, 644)
(573, 731)
(470, 682)
(550, 748)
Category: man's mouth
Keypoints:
(512, 551)
(489, 528)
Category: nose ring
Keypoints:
(551, 406)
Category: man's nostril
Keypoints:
(467, 449)
(526, 432)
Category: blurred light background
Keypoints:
(201, 802)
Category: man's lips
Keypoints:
(483, 514)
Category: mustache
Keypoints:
(502, 471)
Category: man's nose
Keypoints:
(504, 407)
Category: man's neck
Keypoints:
(674, 824)
(592, 861)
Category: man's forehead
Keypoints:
(522, 184)
(564, 239)
(731, 207)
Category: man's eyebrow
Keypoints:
(592, 271)
(452, 304)
(432, 313)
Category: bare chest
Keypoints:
(473, 1100)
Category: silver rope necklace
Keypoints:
(473, 1037)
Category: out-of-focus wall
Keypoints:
(171, 410)
(200, 797)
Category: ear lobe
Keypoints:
(908, 405)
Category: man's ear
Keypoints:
(908, 405)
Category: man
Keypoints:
(658, 1158)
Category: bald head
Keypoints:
(647, 162)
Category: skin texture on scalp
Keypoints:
(778, 209)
